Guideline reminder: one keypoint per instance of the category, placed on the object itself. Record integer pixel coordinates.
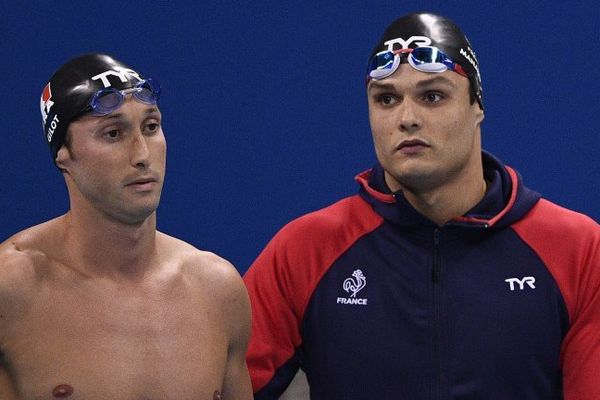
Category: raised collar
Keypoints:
(506, 199)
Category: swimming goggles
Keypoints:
(425, 59)
(108, 100)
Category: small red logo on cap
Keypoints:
(46, 102)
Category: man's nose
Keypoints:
(409, 119)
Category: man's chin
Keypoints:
(136, 215)
(413, 179)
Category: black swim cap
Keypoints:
(426, 29)
(71, 88)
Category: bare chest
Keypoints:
(100, 344)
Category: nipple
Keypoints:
(62, 391)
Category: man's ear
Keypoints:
(480, 115)
(63, 158)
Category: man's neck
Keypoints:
(99, 246)
(454, 198)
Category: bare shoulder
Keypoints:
(16, 270)
(217, 282)
(204, 268)
(18, 259)
(23, 261)
(27, 254)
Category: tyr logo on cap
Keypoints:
(46, 102)
(404, 44)
(118, 72)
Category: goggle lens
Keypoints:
(383, 64)
(105, 101)
(384, 61)
(428, 55)
(429, 59)
(148, 91)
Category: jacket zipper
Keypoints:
(437, 289)
(435, 271)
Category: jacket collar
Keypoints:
(506, 199)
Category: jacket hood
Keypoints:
(506, 200)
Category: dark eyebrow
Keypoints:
(381, 86)
(119, 115)
(438, 79)
(112, 116)
(152, 109)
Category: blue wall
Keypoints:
(264, 105)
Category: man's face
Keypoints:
(116, 163)
(425, 131)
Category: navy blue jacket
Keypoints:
(374, 301)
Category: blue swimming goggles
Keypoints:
(108, 100)
(425, 59)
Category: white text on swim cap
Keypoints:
(418, 40)
(470, 56)
(53, 125)
(119, 72)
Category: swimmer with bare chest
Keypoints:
(98, 304)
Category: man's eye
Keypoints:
(386, 99)
(112, 134)
(151, 128)
(433, 97)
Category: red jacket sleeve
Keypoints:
(569, 245)
(282, 279)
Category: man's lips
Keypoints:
(142, 183)
(412, 142)
(412, 146)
